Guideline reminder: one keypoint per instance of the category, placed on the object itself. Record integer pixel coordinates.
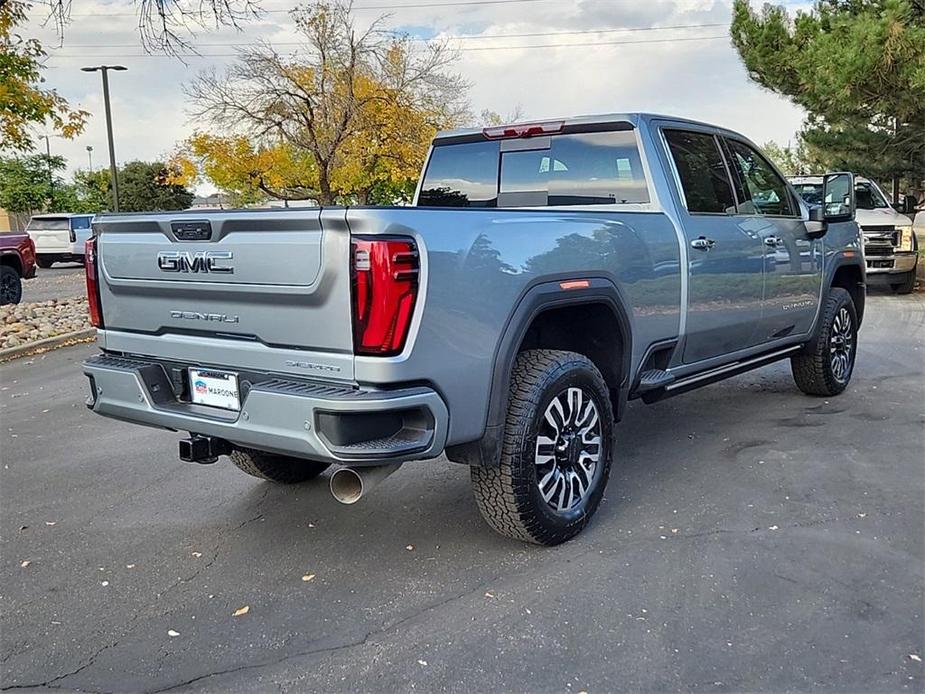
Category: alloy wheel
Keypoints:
(568, 449)
(841, 345)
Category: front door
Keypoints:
(725, 250)
(793, 261)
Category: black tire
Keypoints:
(906, 286)
(43, 261)
(827, 361)
(509, 495)
(10, 285)
(276, 468)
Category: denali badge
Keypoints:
(201, 261)
(196, 315)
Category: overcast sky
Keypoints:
(616, 63)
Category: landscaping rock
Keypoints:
(21, 324)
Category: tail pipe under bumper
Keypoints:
(350, 484)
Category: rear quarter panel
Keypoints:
(477, 265)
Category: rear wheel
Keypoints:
(276, 468)
(827, 361)
(556, 453)
(10, 285)
(907, 284)
(44, 261)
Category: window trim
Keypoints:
(794, 204)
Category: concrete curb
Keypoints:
(48, 344)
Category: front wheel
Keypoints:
(907, 284)
(556, 452)
(827, 361)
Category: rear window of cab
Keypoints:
(594, 168)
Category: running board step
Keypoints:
(653, 379)
(696, 380)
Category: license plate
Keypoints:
(214, 388)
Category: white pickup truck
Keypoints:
(890, 246)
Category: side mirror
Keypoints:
(816, 226)
(838, 197)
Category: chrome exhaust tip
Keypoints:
(350, 484)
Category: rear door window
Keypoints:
(80, 222)
(461, 175)
(702, 170)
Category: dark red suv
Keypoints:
(17, 262)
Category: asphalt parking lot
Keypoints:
(59, 281)
(752, 539)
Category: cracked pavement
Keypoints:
(752, 538)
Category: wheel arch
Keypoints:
(548, 316)
(12, 260)
(848, 273)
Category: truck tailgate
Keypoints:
(262, 289)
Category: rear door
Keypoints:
(793, 261)
(725, 252)
(264, 289)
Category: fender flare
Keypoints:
(844, 259)
(534, 301)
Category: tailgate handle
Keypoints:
(192, 231)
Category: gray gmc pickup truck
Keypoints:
(546, 274)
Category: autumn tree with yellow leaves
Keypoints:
(24, 103)
(345, 118)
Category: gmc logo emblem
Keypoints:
(218, 262)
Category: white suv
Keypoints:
(59, 237)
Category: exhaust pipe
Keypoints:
(350, 484)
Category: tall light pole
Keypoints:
(90, 157)
(51, 178)
(112, 150)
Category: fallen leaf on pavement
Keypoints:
(171, 632)
(308, 577)
(422, 662)
(913, 656)
(241, 611)
(25, 563)
(774, 527)
(410, 548)
(50, 522)
(489, 595)
(197, 554)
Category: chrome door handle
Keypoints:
(772, 241)
(703, 243)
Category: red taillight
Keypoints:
(524, 130)
(93, 289)
(385, 287)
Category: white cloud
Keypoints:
(701, 79)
